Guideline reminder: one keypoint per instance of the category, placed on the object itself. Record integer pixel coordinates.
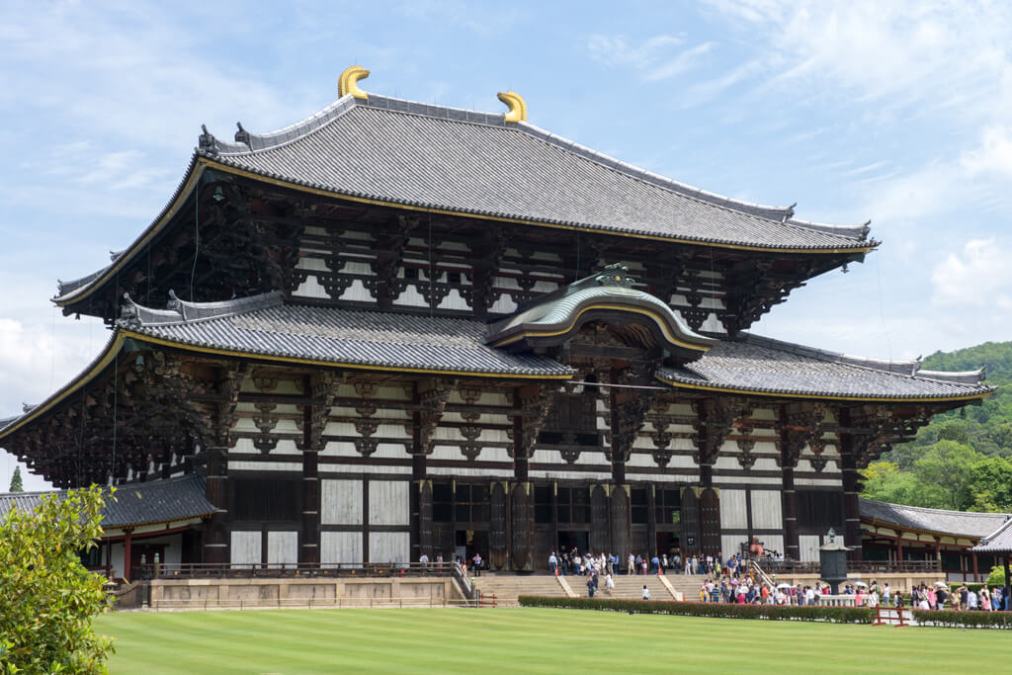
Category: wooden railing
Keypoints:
(290, 570)
(774, 566)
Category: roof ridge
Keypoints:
(775, 214)
(177, 311)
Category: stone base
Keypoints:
(253, 593)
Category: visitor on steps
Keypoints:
(591, 586)
(630, 567)
(609, 584)
(476, 562)
(646, 592)
(553, 564)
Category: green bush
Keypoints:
(997, 576)
(953, 619)
(47, 598)
(718, 610)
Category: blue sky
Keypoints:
(896, 112)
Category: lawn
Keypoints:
(529, 641)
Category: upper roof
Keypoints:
(957, 523)
(611, 289)
(998, 541)
(159, 501)
(433, 157)
(439, 159)
(756, 365)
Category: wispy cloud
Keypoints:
(657, 58)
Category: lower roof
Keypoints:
(265, 328)
(956, 523)
(749, 364)
(134, 504)
(999, 541)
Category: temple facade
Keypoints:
(396, 328)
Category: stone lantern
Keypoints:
(833, 561)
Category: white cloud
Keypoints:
(657, 58)
(977, 276)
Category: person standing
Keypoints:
(476, 562)
(630, 564)
(553, 564)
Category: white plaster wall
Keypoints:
(729, 544)
(388, 502)
(767, 511)
(809, 544)
(283, 548)
(733, 510)
(387, 547)
(116, 560)
(245, 548)
(341, 547)
(773, 542)
(340, 502)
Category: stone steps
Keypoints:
(507, 588)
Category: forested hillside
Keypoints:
(963, 459)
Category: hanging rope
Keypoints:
(196, 239)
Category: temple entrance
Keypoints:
(570, 539)
(667, 543)
(145, 554)
(469, 542)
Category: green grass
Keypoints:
(530, 641)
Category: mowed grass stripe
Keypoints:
(530, 641)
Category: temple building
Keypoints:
(397, 328)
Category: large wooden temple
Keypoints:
(396, 328)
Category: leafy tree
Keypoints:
(997, 576)
(16, 484)
(47, 598)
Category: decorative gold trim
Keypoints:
(827, 397)
(519, 221)
(620, 308)
(204, 163)
(517, 106)
(347, 83)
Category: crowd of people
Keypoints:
(735, 581)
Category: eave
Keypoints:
(201, 163)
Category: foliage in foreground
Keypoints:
(718, 610)
(47, 598)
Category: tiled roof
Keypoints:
(264, 325)
(434, 157)
(958, 523)
(754, 364)
(159, 501)
(998, 541)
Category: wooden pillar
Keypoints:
(899, 548)
(851, 484)
(128, 540)
(976, 571)
(617, 451)
(216, 484)
(421, 493)
(1008, 581)
(309, 541)
(521, 498)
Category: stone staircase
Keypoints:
(508, 587)
(630, 587)
(687, 584)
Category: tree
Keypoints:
(16, 484)
(47, 598)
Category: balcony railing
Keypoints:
(775, 566)
(289, 570)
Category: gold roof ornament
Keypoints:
(347, 83)
(517, 106)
